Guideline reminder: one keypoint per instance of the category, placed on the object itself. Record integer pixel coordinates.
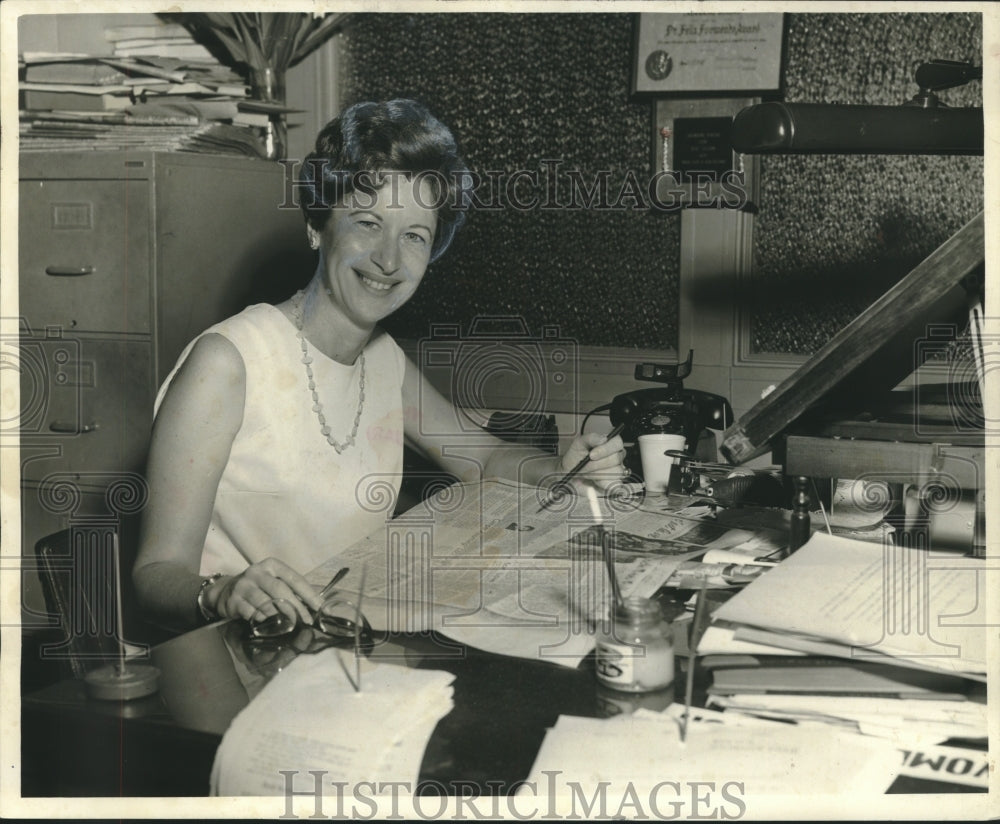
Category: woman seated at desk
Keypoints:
(273, 419)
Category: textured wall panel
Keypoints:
(835, 231)
(517, 89)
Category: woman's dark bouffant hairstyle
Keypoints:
(397, 135)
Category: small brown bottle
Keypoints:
(798, 533)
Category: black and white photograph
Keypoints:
(454, 410)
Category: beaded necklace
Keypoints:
(317, 406)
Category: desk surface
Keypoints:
(210, 674)
(164, 745)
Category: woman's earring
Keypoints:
(313, 240)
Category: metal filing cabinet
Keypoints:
(124, 258)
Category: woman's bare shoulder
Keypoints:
(216, 355)
(213, 376)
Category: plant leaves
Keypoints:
(329, 26)
(265, 39)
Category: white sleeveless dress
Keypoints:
(285, 492)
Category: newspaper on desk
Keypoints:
(309, 717)
(482, 565)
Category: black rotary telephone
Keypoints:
(669, 408)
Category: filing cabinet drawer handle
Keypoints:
(69, 271)
(71, 427)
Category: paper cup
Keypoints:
(655, 465)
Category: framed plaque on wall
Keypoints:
(697, 55)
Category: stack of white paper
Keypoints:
(904, 610)
(630, 757)
(837, 596)
(309, 717)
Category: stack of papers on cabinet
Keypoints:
(309, 717)
(76, 102)
(117, 131)
(74, 82)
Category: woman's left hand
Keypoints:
(605, 467)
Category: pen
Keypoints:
(357, 629)
(576, 469)
(695, 637)
(340, 573)
(354, 680)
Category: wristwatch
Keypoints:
(206, 613)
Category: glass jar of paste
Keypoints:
(635, 652)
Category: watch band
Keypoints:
(206, 613)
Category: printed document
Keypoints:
(310, 717)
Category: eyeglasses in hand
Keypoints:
(337, 617)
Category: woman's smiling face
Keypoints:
(376, 247)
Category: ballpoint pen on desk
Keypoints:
(695, 637)
(340, 573)
(358, 622)
(357, 628)
(609, 562)
(565, 479)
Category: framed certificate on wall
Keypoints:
(697, 55)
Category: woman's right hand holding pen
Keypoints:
(605, 456)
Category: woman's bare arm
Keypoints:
(432, 426)
(196, 424)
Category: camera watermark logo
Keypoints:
(498, 358)
(81, 564)
(926, 587)
(50, 371)
(962, 367)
